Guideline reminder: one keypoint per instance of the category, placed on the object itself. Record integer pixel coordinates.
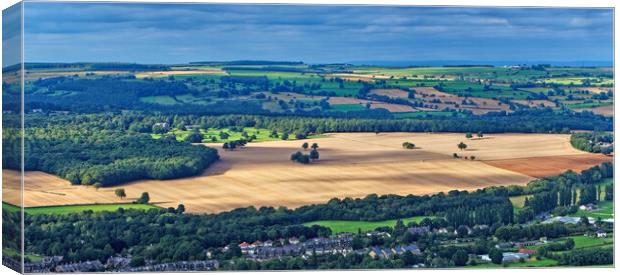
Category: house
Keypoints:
(469, 230)
(419, 230)
(386, 253)
(504, 245)
(510, 257)
(567, 220)
(378, 234)
(268, 243)
(293, 240)
(601, 234)
(442, 230)
(245, 247)
(163, 125)
(507, 257)
(587, 207)
(526, 243)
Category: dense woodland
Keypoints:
(596, 142)
(86, 153)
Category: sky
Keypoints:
(180, 33)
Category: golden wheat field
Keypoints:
(350, 165)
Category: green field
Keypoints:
(423, 114)
(14, 253)
(162, 100)
(68, 209)
(347, 107)
(589, 104)
(518, 201)
(533, 262)
(586, 241)
(340, 226)
(261, 134)
(605, 210)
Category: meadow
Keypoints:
(69, 209)
(342, 226)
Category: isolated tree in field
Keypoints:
(314, 154)
(472, 157)
(284, 136)
(180, 209)
(315, 146)
(120, 192)
(462, 146)
(144, 198)
(468, 135)
(224, 135)
(225, 146)
(305, 146)
(455, 155)
(97, 186)
(480, 134)
(194, 137)
(408, 145)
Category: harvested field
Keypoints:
(602, 110)
(483, 105)
(393, 93)
(394, 108)
(212, 71)
(351, 165)
(548, 166)
(535, 103)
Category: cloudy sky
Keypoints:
(166, 33)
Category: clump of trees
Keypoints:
(594, 142)
(306, 158)
(232, 145)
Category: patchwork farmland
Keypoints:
(351, 165)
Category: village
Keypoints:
(338, 244)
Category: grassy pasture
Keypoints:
(162, 100)
(347, 107)
(579, 81)
(586, 241)
(589, 104)
(262, 134)
(78, 208)
(423, 114)
(532, 262)
(340, 226)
